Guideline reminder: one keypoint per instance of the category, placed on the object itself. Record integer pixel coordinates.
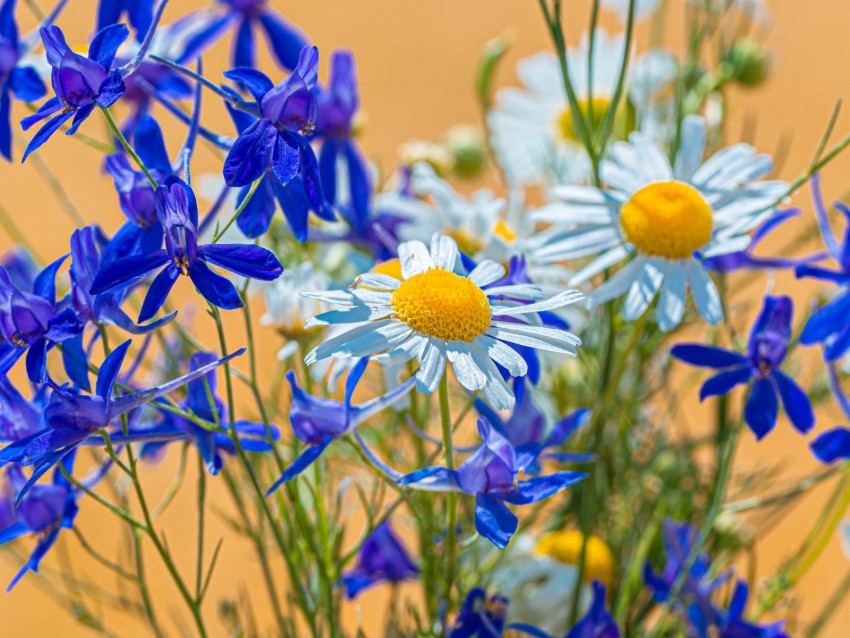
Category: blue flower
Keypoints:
(829, 325)
(491, 475)
(318, 422)
(19, 417)
(70, 417)
(21, 81)
(139, 14)
(211, 441)
(480, 616)
(694, 597)
(177, 211)
(834, 444)
(732, 624)
(381, 559)
(33, 322)
(42, 512)
(80, 82)
(338, 104)
(276, 142)
(526, 430)
(766, 350)
(596, 623)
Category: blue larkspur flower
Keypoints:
(211, 441)
(139, 14)
(318, 422)
(70, 417)
(177, 211)
(16, 80)
(759, 368)
(382, 559)
(829, 325)
(491, 474)
(80, 82)
(285, 39)
(46, 509)
(480, 616)
(275, 146)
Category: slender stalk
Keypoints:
(451, 500)
(238, 212)
(116, 130)
(202, 497)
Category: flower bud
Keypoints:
(466, 146)
(749, 62)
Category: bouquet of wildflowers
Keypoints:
(470, 422)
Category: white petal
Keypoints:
(671, 303)
(433, 366)
(705, 293)
(467, 372)
(404, 352)
(558, 301)
(414, 258)
(643, 290)
(561, 340)
(516, 291)
(504, 355)
(578, 243)
(618, 284)
(496, 391)
(725, 245)
(350, 297)
(377, 280)
(356, 314)
(692, 147)
(605, 260)
(331, 346)
(486, 272)
(443, 252)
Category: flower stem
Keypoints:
(451, 503)
(130, 151)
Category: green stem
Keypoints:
(116, 130)
(202, 497)
(451, 501)
(238, 212)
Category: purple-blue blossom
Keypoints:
(382, 559)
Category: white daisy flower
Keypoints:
(433, 314)
(532, 128)
(662, 215)
(287, 311)
(476, 224)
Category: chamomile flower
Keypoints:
(532, 128)
(435, 315)
(666, 217)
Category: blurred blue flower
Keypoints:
(491, 474)
(286, 40)
(382, 559)
(766, 350)
(177, 211)
(480, 616)
(596, 623)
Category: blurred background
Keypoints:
(416, 63)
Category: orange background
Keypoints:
(416, 65)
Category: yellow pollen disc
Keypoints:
(441, 304)
(667, 219)
(565, 546)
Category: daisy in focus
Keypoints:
(668, 218)
(436, 315)
(532, 128)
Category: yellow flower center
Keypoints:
(502, 230)
(624, 118)
(667, 219)
(565, 546)
(441, 304)
(391, 268)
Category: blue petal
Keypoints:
(75, 362)
(824, 274)
(257, 215)
(707, 356)
(256, 82)
(358, 179)
(108, 12)
(838, 347)
(761, 408)
(493, 520)
(109, 369)
(254, 262)
(295, 207)
(50, 127)
(243, 45)
(833, 445)
(537, 489)
(158, 292)
(127, 270)
(327, 168)
(8, 27)
(356, 582)
(796, 403)
(286, 159)
(55, 46)
(723, 382)
(111, 90)
(433, 479)
(35, 558)
(37, 361)
(309, 170)
(285, 40)
(150, 145)
(79, 117)
(45, 282)
(106, 43)
(250, 154)
(304, 460)
(214, 288)
(828, 320)
(353, 379)
(27, 84)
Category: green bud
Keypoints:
(749, 62)
(466, 146)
